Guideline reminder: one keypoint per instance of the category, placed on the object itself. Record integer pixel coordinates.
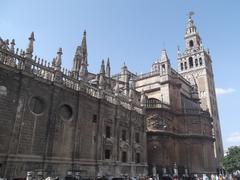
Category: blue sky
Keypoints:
(135, 32)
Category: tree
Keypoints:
(231, 161)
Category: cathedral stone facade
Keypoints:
(58, 122)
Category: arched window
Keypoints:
(163, 68)
(181, 66)
(191, 43)
(152, 102)
(190, 61)
(200, 62)
(185, 65)
(196, 62)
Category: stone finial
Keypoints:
(102, 76)
(57, 62)
(12, 49)
(29, 50)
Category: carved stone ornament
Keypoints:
(156, 122)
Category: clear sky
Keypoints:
(135, 32)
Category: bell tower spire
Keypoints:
(192, 38)
(195, 65)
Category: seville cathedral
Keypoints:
(59, 122)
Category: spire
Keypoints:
(102, 70)
(164, 56)
(108, 69)
(108, 74)
(83, 50)
(76, 62)
(102, 76)
(192, 38)
(191, 28)
(80, 60)
(29, 50)
(84, 44)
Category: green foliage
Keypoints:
(231, 162)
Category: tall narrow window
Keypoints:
(124, 156)
(137, 157)
(137, 138)
(190, 59)
(163, 68)
(94, 119)
(196, 62)
(124, 135)
(191, 43)
(200, 62)
(181, 66)
(108, 131)
(107, 154)
(185, 65)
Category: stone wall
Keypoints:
(181, 138)
(45, 126)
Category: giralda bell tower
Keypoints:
(195, 65)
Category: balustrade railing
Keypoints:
(157, 105)
(43, 70)
(147, 75)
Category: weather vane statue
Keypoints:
(190, 14)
